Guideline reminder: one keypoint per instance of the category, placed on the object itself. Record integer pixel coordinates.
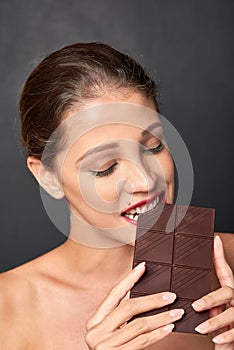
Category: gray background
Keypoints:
(188, 44)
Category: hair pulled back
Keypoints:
(70, 77)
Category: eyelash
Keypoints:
(104, 172)
(111, 169)
(154, 150)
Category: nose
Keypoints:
(139, 179)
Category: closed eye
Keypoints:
(105, 172)
(154, 150)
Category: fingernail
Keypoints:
(169, 327)
(219, 339)
(217, 240)
(198, 304)
(139, 266)
(203, 327)
(169, 296)
(176, 312)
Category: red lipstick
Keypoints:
(145, 201)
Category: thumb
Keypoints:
(222, 269)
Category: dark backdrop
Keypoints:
(188, 44)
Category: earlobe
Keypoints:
(47, 179)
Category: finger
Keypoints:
(144, 325)
(216, 322)
(147, 339)
(216, 311)
(115, 295)
(223, 270)
(219, 297)
(130, 308)
(224, 338)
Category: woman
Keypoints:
(74, 108)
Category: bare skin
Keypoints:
(46, 303)
(76, 296)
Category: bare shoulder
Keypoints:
(23, 302)
(16, 301)
(13, 284)
(19, 288)
(16, 284)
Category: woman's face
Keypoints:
(117, 168)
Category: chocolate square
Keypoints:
(190, 283)
(195, 220)
(192, 251)
(163, 219)
(157, 278)
(157, 248)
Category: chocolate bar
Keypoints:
(176, 243)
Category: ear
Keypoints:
(47, 179)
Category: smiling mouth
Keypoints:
(142, 207)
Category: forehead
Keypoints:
(117, 131)
(104, 122)
(99, 124)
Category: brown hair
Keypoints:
(69, 77)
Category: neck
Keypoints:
(90, 235)
(104, 263)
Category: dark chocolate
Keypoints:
(176, 243)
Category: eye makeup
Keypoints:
(105, 172)
(154, 150)
(110, 168)
(103, 159)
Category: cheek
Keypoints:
(71, 188)
(168, 168)
(71, 183)
(107, 188)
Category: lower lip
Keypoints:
(131, 221)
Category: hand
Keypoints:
(220, 303)
(108, 328)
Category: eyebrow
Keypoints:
(113, 145)
(97, 149)
(150, 128)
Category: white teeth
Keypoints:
(138, 210)
(151, 206)
(133, 214)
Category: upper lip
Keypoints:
(143, 202)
